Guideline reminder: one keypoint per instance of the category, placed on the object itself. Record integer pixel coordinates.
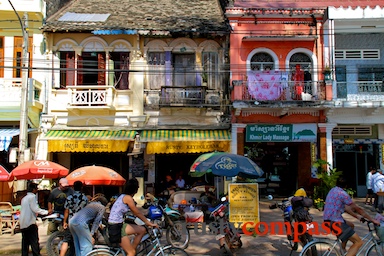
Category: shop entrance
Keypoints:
(279, 162)
(354, 161)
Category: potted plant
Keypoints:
(327, 73)
(204, 78)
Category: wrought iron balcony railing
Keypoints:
(360, 91)
(272, 91)
(185, 96)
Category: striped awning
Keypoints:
(184, 135)
(6, 136)
(89, 141)
(185, 141)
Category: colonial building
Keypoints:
(22, 98)
(154, 71)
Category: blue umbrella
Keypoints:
(225, 164)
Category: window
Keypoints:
(67, 69)
(119, 64)
(17, 53)
(184, 70)
(210, 69)
(301, 59)
(341, 78)
(156, 74)
(371, 79)
(262, 61)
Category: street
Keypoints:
(205, 244)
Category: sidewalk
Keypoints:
(206, 245)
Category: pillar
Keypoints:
(326, 142)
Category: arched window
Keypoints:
(301, 59)
(262, 61)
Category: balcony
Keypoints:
(11, 87)
(182, 96)
(91, 96)
(360, 91)
(272, 92)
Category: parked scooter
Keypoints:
(228, 237)
(159, 212)
(296, 209)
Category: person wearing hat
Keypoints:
(56, 201)
(93, 214)
(27, 220)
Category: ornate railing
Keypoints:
(92, 95)
(185, 96)
(359, 91)
(272, 91)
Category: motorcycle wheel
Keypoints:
(178, 235)
(54, 243)
(226, 246)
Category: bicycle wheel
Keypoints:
(322, 248)
(374, 250)
(54, 243)
(100, 252)
(172, 251)
(178, 235)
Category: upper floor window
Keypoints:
(156, 70)
(371, 73)
(119, 70)
(210, 73)
(262, 61)
(184, 69)
(18, 56)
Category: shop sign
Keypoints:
(243, 202)
(88, 145)
(168, 147)
(281, 133)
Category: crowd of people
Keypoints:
(82, 217)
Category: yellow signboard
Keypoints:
(244, 202)
(167, 147)
(88, 145)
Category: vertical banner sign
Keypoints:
(243, 202)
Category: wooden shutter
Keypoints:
(101, 68)
(80, 72)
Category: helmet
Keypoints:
(300, 192)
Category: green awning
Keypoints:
(94, 135)
(185, 135)
(89, 141)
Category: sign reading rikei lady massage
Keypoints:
(281, 133)
(243, 202)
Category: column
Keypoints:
(237, 133)
(78, 50)
(326, 142)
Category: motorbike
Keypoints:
(168, 219)
(294, 210)
(55, 240)
(229, 238)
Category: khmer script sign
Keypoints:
(281, 133)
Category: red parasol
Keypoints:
(38, 169)
(96, 175)
(4, 174)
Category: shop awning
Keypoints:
(6, 136)
(185, 141)
(89, 141)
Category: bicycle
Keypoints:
(149, 245)
(371, 246)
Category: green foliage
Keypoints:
(327, 179)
